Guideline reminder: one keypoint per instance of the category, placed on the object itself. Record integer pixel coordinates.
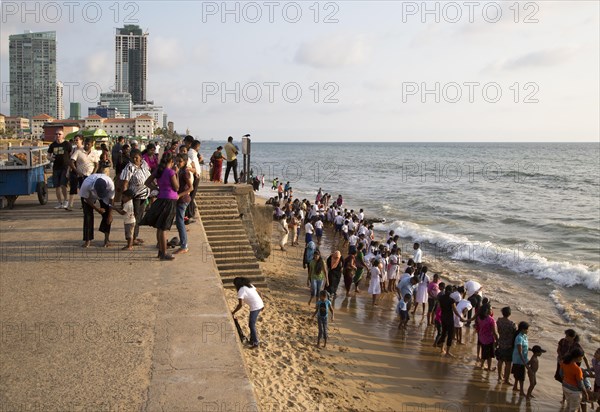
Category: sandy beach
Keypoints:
(369, 365)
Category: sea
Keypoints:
(521, 218)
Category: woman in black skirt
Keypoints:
(163, 210)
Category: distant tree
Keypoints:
(9, 132)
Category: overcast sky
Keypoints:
(343, 71)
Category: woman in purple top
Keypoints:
(184, 177)
(488, 334)
(150, 156)
(163, 210)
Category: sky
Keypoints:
(288, 71)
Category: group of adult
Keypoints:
(147, 189)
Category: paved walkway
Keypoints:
(103, 329)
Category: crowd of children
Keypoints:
(448, 307)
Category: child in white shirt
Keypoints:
(127, 211)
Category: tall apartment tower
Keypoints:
(131, 62)
(32, 74)
(60, 107)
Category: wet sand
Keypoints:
(369, 364)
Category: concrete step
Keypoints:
(218, 206)
(238, 254)
(231, 237)
(216, 190)
(240, 272)
(209, 198)
(260, 284)
(218, 230)
(229, 223)
(257, 278)
(238, 251)
(215, 245)
(219, 214)
(230, 259)
(237, 266)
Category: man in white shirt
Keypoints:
(97, 187)
(84, 162)
(194, 157)
(418, 256)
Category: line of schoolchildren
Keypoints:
(449, 307)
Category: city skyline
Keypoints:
(364, 71)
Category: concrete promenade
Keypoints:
(111, 330)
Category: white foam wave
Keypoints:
(522, 260)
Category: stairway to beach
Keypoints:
(227, 237)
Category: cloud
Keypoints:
(541, 58)
(382, 84)
(165, 53)
(332, 52)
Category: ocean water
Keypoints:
(525, 217)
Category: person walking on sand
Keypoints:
(350, 268)
(520, 359)
(506, 333)
(433, 290)
(421, 290)
(418, 255)
(375, 281)
(308, 230)
(317, 276)
(231, 153)
(533, 368)
(448, 310)
(282, 226)
(487, 334)
(335, 267)
(246, 292)
(574, 390)
(293, 227)
(360, 266)
(322, 310)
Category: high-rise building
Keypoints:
(75, 111)
(60, 107)
(32, 74)
(119, 100)
(131, 61)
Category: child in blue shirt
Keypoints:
(402, 310)
(321, 311)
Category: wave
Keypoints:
(523, 260)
